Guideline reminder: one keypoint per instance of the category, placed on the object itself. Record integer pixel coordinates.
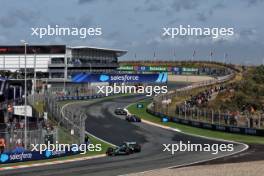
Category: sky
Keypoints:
(137, 26)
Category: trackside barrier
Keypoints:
(11, 157)
(32, 156)
(223, 128)
(63, 98)
(199, 124)
(66, 117)
(217, 80)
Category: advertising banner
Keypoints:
(142, 68)
(184, 69)
(30, 156)
(121, 78)
(130, 68)
(20, 110)
(157, 68)
(176, 70)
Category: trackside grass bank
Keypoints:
(141, 112)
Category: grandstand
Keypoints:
(59, 61)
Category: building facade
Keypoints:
(59, 61)
(84, 59)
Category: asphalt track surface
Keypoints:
(102, 123)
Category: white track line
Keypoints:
(201, 161)
(62, 112)
(190, 134)
(171, 129)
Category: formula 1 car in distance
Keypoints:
(124, 149)
(120, 111)
(133, 118)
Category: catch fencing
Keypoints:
(205, 125)
(72, 120)
(69, 119)
(15, 138)
(201, 117)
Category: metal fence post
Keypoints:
(219, 116)
(212, 116)
(185, 110)
(259, 121)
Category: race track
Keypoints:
(102, 123)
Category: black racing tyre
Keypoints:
(110, 151)
(128, 152)
(137, 148)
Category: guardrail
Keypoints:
(88, 97)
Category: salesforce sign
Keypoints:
(16, 157)
(31, 156)
(121, 78)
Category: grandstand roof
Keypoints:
(117, 51)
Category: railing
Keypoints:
(207, 118)
(83, 64)
(72, 91)
(13, 131)
(66, 118)
(206, 83)
(219, 117)
(71, 119)
(206, 125)
(15, 137)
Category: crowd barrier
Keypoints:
(199, 124)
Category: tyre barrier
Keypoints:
(209, 126)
